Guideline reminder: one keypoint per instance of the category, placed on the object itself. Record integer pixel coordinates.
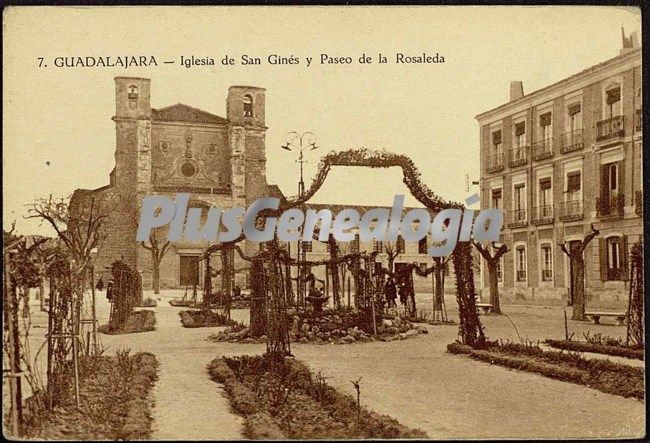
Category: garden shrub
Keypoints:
(604, 375)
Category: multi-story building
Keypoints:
(558, 160)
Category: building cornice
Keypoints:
(568, 85)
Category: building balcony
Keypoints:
(543, 149)
(638, 121)
(572, 141)
(517, 218)
(571, 210)
(638, 203)
(518, 156)
(495, 162)
(610, 129)
(542, 215)
(610, 206)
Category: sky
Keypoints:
(58, 135)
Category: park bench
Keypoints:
(595, 316)
(484, 308)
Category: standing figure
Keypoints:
(390, 292)
(403, 294)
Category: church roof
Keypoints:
(186, 114)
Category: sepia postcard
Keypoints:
(332, 222)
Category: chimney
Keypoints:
(516, 90)
(629, 43)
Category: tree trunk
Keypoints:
(258, 299)
(578, 289)
(494, 286)
(156, 276)
(439, 287)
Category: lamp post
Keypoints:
(300, 142)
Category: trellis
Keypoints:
(635, 309)
(470, 329)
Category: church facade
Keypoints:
(219, 161)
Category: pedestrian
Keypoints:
(390, 292)
(403, 295)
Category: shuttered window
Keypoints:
(574, 109)
(613, 96)
(496, 138)
(545, 119)
(573, 182)
(545, 183)
(520, 128)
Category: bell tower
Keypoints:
(132, 157)
(247, 133)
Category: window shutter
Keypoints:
(613, 96)
(573, 182)
(621, 177)
(520, 128)
(574, 109)
(624, 271)
(602, 244)
(545, 119)
(604, 181)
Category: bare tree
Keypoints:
(157, 247)
(392, 251)
(79, 227)
(492, 260)
(577, 261)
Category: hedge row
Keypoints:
(582, 346)
(313, 410)
(606, 376)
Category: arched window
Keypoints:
(133, 92)
(248, 105)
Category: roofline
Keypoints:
(225, 120)
(246, 87)
(590, 70)
(120, 77)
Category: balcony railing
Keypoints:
(542, 215)
(610, 206)
(495, 162)
(518, 156)
(638, 203)
(572, 141)
(571, 210)
(610, 128)
(543, 149)
(521, 275)
(638, 121)
(517, 218)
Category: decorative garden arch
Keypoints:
(470, 328)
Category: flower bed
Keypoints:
(115, 403)
(284, 401)
(613, 350)
(199, 318)
(612, 378)
(138, 321)
(336, 327)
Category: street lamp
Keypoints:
(301, 142)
